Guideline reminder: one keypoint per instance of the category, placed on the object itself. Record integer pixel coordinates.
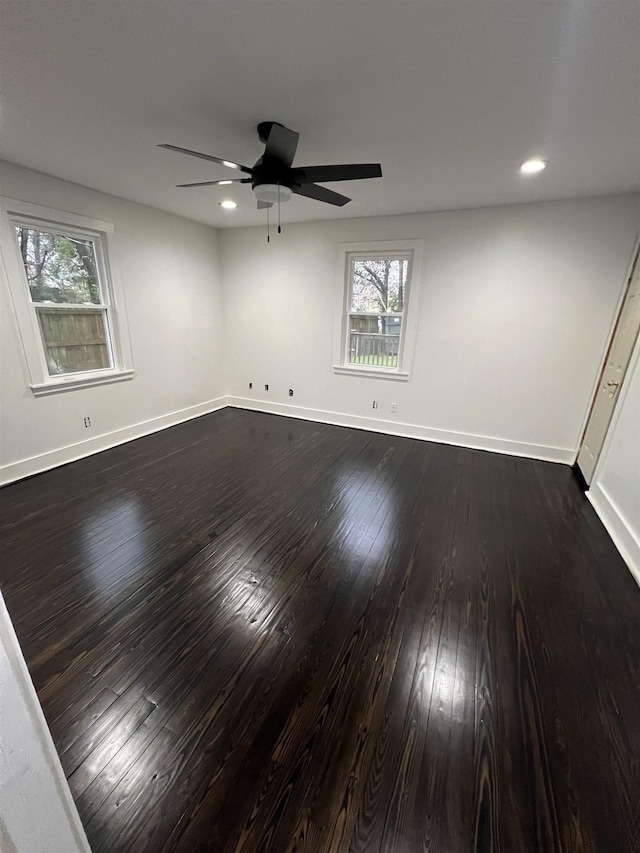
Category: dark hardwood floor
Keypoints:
(250, 633)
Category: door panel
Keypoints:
(618, 357)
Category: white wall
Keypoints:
(516, 305)
(170, 273)
(615, 491)
(32, 782)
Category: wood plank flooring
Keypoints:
(250, 633)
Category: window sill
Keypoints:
(371, 373)
(73, 383)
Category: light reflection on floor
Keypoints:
(125, 517)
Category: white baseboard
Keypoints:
(617, 527)
(72, 452)
(61, 456)
(460, 439)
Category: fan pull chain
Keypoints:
(268, 239)
(279, 228)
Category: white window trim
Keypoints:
(15, 212)
(402, 372)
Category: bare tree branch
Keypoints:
(85, 253)
(380, 284)
(39, 266)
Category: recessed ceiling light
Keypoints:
(532, 166)
(230, 164)
(224, 183)
(228, 204)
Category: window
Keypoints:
(68, 299)
(374, 323)
(376, 305)
(64, 301)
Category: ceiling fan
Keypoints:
(274, 179)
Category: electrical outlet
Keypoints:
(251, 385)
(394, 408)
(266, 387)
(291, 392)
(375, 404)
(87, 422)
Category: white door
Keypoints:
(620, 350)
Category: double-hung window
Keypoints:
(71, 306)
(65, 304)
(376, 331)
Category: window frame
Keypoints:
(17, 214)
(347, 254)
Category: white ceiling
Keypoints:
(449, 96)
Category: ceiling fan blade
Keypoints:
(323, 174)
(262, 205)
(216, 183)
(321, 194)
(281, 146)
(229, 163)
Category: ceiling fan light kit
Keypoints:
(273, 193)
(274, 179)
